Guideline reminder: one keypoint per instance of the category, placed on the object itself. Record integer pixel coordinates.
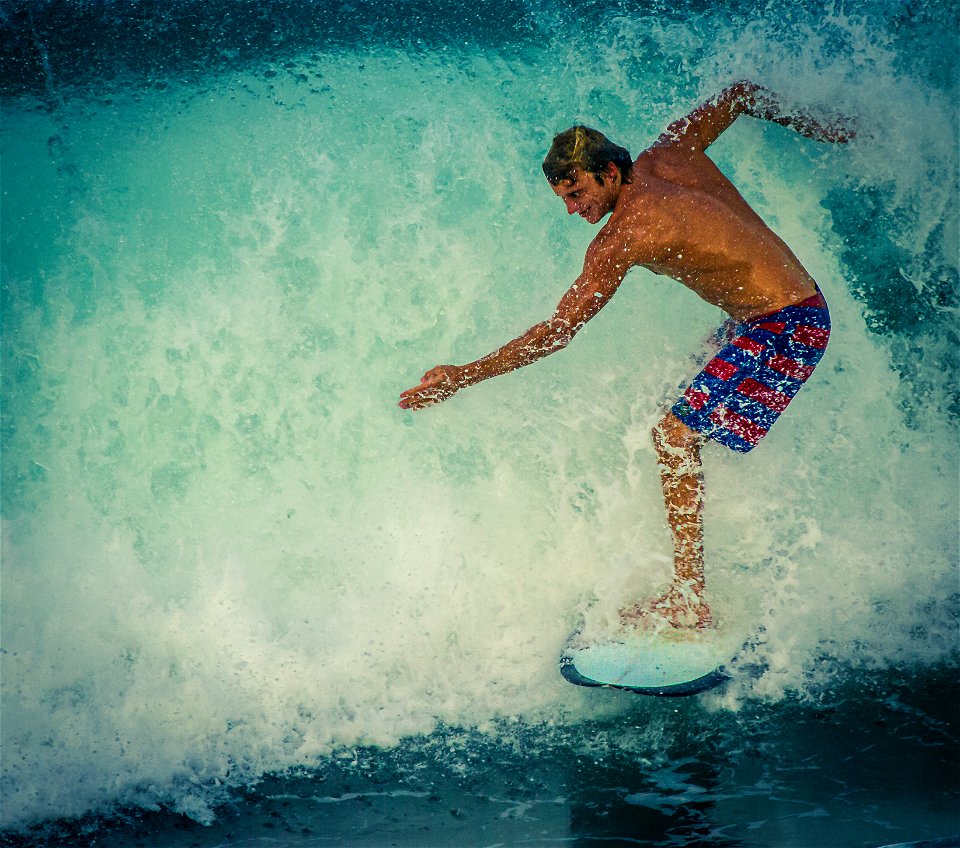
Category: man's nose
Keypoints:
(571, 206)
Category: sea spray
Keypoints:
(227, 553)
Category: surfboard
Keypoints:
(650, 663)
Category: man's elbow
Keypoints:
(744, 88)
(741, 95)
(561, 339)
(558, 335)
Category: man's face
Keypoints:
(585, 196)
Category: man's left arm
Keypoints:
(704, 124)
(603, 271)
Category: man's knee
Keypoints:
(671, 434)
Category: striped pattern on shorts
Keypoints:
(741, 392)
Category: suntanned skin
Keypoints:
(681, 217)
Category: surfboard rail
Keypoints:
(648, 664)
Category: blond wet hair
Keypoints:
(583, 148)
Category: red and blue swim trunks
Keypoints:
(739, 394)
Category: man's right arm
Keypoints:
(704, 124)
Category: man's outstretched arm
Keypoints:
(704, 124)
(602, 275)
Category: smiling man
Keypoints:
(674, 212)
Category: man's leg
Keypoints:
(681, 477)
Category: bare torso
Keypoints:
(681, 217)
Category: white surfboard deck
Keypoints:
(650, 663)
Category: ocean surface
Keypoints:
(246, 600)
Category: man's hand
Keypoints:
(840, 130)
(436, 385)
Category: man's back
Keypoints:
(680, 216)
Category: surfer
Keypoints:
(674, 212)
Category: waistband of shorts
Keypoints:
(816, 301)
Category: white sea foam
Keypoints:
(226, 551)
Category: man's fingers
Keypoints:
(435, 386)
(421, 396)
(418, 403)
(418, 392)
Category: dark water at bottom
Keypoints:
(873, 764)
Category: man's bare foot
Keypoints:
(682, 607)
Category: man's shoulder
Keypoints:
(658, 156)
(674, 167)
(625, 229)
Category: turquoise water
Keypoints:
(232, 236)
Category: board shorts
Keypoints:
(741, 392)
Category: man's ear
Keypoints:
(610, 170)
